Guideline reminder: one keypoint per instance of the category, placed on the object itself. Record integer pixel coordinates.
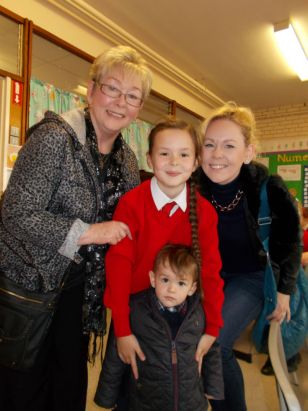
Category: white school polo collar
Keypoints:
(161, 199)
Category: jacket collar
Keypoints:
(76, 119)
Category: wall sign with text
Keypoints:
(17, 93)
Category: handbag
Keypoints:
(295, 331)
(25, 317)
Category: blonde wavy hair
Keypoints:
(242, 116)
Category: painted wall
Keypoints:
(283, 128)
(283, 135)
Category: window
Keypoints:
(11, 46)
(189, 117)
(155, 109)
(58, 79)
(57, 66)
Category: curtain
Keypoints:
(44, 96)
(136, 136)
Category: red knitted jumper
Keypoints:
(305, 240)
(128, 263)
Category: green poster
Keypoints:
(293, 168)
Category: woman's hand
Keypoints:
(305, 258)
(128, 347)
(282, 310)
(108, 232)
(204, 345)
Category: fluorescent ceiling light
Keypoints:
(291, 48)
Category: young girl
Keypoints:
(173, 155)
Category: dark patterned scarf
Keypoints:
(112, 183)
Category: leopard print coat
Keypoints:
(52, 197)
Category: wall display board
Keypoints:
(293, 168)
(305, 191)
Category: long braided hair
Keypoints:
(193, 218)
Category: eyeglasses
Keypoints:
(114, 92)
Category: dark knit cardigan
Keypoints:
(285, 246)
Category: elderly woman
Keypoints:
(56, 225)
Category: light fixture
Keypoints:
(291, 48)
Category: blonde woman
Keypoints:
(231, 180)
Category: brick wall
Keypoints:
(283, 128)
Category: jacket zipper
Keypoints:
(174, 361)
(174, 364)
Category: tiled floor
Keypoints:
(260, 390)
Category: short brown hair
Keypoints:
(176, 125)
(180, 258)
